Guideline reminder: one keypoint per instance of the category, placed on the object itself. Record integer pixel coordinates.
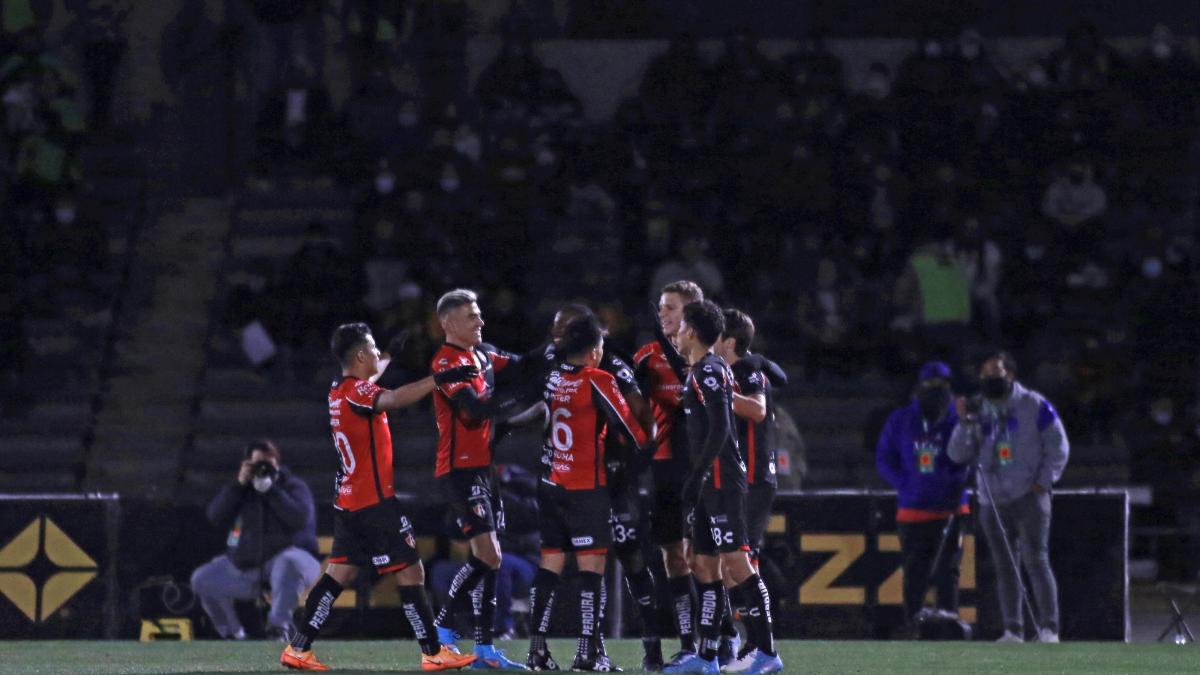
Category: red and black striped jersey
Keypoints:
(756, 438)
(363, 442)
(463, 442)
(585, 405)
(662, 388)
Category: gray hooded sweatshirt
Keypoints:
(1017, 443)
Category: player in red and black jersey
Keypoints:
(466, 433)
(715, 492)
(586, 406)
(369, 527)
(661, 379)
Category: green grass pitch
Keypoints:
(64, 657)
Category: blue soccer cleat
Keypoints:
(765, 663)
(449, 637)
(689, 662)
(487, 657)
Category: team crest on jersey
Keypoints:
(410, 540)
(710, 382)
(480, 510)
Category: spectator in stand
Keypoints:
(1084, 63)
(676, 86)
(285, 31)
(1074, 199)
(693, 263)
(271, 521)
(981, 260)
(295, 126)
(933, 297)
(980, 70)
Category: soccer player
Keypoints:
(586, 406)
(715, 492)
(369, 527)
(663, 385)
(753, 408)
(624, 462)
(464, 411)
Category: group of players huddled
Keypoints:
(694, 409)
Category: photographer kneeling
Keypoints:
(271, 520)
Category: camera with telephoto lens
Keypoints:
(973, 405)
(263, 469)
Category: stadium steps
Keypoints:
(145, 413)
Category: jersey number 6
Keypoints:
(560, 431)
(345, 454)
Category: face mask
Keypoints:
(1152, 268)
(933, 402)
(449, 184)
(65, 215)
(1161, 50)
(263, 483)
(1162, 417)
(994, 388)
(385, 183)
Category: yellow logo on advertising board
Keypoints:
(69, 569)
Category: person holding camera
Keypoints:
(271, 519)
(930, 488)
(1021, 448)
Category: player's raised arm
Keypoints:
(391, 399)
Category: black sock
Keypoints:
(641, 587)
(758, 613)
(316, 611)
(681, 594)
(599, 637)
(484, 600)
(712, 608)
(589, 613)
(728, 630)
(541, 607)
(464, 582)
(416, 609)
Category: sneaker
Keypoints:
(764, 663)
(1047, 635)
(741, 664)
(690, 662)
(727, 652)
(600, 664)
(1010, 637)
(449, 638)
(678, 657)
(652, 662)
(446, 659)
(490, 658)
(541, 661)
(297, 660)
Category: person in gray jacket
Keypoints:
(1018, 441)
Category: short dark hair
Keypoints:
(1004, 357)
(580, 336)
(740, 327)
(575, 310)
(454, 299)
(346, 338)
(705, 318)
(688, 290)
(264, 445)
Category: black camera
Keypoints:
(263, 469)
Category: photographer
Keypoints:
(272, 526)
(930, 489)
(1018, 440)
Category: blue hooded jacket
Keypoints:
(940, 486)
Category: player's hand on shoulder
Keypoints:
(463, 373)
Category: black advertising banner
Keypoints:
(58, 566)
(832, 560)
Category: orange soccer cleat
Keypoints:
(297, 660)
(446, 659)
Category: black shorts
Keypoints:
(573, 520)
(668, 523)
(473, 499)
(719, 521)
(758, 513)
(380, 536)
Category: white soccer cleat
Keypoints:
(740, 665)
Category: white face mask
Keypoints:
(1152, 268)
(64, 215)
(263, 483)
(385, 183)
(449, 184)
(1162, 417)
(1161, 50)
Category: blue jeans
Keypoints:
(218, 583)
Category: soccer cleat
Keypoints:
(446, 659)
(297, 660)
(600, 664)
(449, 638)
(765, 663)
(1047, 635)
(487, 657)
(541, 660)
(1010, 637)
(741, 664)
(690, 662)
(727, 652)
